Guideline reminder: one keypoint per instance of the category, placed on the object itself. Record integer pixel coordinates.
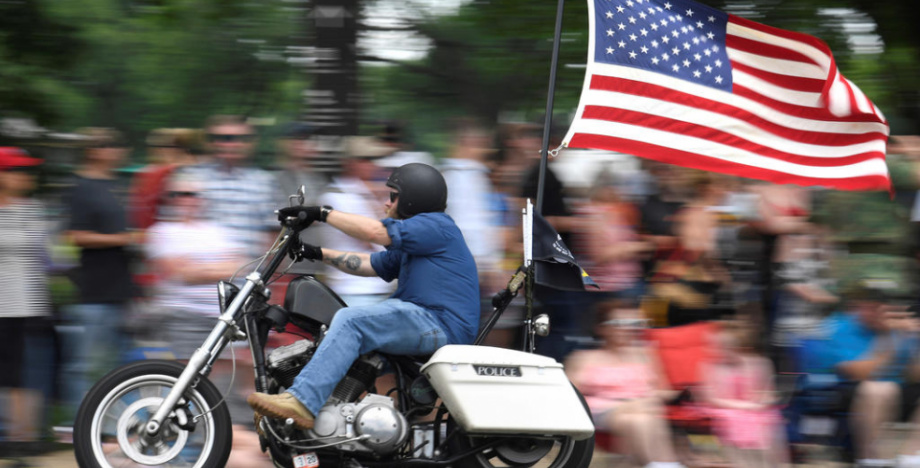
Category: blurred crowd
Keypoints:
(809, 295)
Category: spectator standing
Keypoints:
(352, 192)
(470, 202)
(24, 301)
(189, 256)
(237, 197)
(298, 153)
(609, 238)
(689, 275)
(99, 227)
(296, 168)
(168, 148)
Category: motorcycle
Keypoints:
(464, 406)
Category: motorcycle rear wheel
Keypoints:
(108, 431)
(557, 452)
(562, 452)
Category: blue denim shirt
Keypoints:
(435, 269)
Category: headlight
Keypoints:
(226, 291)
(541, 325)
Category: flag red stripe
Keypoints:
(791, 35)
(794, 83)
(702, 162)
(814, 113)
(767, 50)
(638, 88)
(718, 136)
(853, 104)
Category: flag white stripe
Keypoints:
(772, 91)
(731, 125)
(775, 65)
(839, 97)
(705, 92)
(820, 57)
(726, 153)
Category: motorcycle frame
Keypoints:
(227, 328)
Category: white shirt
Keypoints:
(199, 243)
(469, 193)
(351, 195)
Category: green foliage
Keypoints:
(491, 57)
(494, 56)
(138, 65)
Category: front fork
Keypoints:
(205, 356)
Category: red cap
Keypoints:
(15, 157)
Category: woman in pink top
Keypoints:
(625, 388)
(738, 390)
(608, 236)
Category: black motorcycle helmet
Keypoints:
(421, 189)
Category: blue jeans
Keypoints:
(91, 341)
(392, 326)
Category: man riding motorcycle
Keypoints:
(436, 301)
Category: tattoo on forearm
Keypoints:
(351, 261)
(338, 260)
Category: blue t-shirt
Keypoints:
(435, 269)
(850, 340)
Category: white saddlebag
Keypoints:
(501, 391)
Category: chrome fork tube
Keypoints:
(204, 355)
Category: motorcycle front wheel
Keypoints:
(109, 429)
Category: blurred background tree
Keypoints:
(143, 64)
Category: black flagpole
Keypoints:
(548, 120)
(541, 181)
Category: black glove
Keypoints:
(310, 252)
(303, 215)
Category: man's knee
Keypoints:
(346, 316)
(873, 393)
(872, 389)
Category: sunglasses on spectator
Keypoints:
(393, 196)
(230, 137)
(180, 193)
(627, 323)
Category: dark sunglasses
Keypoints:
(178, 194)
(229, 138)
(393, 196)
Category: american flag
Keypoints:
(686, 84)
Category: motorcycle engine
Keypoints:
(374, 419)
(285, 363)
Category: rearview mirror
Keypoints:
(299, 196)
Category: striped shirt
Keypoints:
(241, 200)
(23, 256)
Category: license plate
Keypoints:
(306, 460)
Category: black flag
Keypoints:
(554, 264)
